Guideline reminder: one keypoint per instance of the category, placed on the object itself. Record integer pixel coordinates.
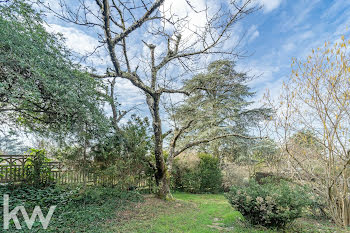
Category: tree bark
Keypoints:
(162, 175)
(113, 105)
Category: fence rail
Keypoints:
(13, 169)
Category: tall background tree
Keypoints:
(218, 108)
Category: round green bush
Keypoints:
(269, 205)
(202, 177)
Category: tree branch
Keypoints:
(179, 132)
(107, 29)
(196, 143)
(139, 22)
(180, 91)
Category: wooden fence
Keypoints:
(13, 169)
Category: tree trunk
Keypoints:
(170, 160)
(162, 176)
(113, 105)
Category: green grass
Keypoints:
(188, 213)
(198, 213)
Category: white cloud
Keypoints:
(270, 5)
(306, 35)
(253, 33)
(76, 40)
(264, 72)
(128, 94)
(181, 8)
(298, 15)
(289, 46)
(195, 13)
(337, 6)
(81, 43)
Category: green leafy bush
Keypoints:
(186, 179)
(270, 205)
(203, 176)
(210, 173)
(37, 169)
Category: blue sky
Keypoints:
(281, 30)
(289, 30)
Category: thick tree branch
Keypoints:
(179, 133)
(136, 81)
(196, 143)
(167, 133)
(153, 68)
(108, 74)
(107, 29)
(173, 91)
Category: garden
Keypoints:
(143, 116)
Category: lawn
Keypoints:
(189, 213)
(196, 213)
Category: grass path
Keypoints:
(189, 213)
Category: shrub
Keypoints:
(187, 179)
(202, 176)
(270, 205)
(210, 173)
(38, 171)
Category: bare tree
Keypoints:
(176, 42)
(313, 126)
